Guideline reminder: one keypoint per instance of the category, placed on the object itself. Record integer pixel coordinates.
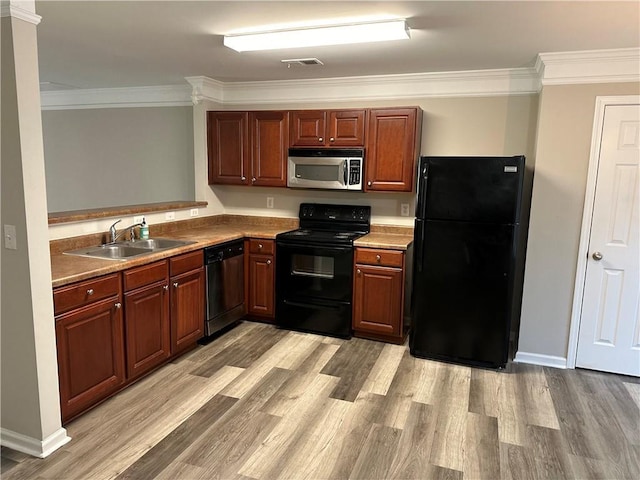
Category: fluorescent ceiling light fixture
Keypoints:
(317, 36)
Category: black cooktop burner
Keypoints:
(329, 224)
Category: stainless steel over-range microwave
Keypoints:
(326, 168)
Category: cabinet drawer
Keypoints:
(261, 246)
(84, 293)
(144, 275)
(371, 256)
(186, 262)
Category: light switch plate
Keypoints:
(194, 212)
(269, 202)
(170, 216)
(10, 237)
(404, 209)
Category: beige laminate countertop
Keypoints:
(66, 269)
(390, 241)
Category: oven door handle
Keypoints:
(314, 306)
(325, 247)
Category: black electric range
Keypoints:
(314, 268)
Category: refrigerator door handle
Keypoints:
(423, 174)
(419, 244)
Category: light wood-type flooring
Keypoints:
(264, 403)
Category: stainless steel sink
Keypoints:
(111, 252)
(158, 243)
(125, 250)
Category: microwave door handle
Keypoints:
(345, 171)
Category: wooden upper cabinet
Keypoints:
(308, 128)
(346, 128)
(393, 146)
(269, 148)
(328, 128)
(228, 148)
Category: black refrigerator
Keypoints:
(469, 246)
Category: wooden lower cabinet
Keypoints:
(261, 279)
(107, 339)
(187, 309)
(90, 345)
(378, 295)
(147, 328)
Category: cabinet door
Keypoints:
(187, 309)
(308, 128)
(269, 147)
(228, 147)
(377, 304)
(393, 144)
(261, 289)
(90, 355)
(147, 328)
(346, 128)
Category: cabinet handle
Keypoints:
(165, 287)
(359, 272)
(368, 184)
(175, 284)
(268, 262)
(253, 180)
(243, 178)
(90, 291)
(260, 245)
(332, 139)
(118, 305)
(378, 258)
(320, 139)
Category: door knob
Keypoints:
(597, 256)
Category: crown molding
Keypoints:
(589, 66)
(205, 88)
(24, 10)
(159, 96)
(384, 87)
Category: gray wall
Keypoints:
(565, 125)
(118, 156)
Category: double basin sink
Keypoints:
(126, 250)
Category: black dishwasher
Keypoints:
(225, 285)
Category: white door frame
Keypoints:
(587, 215)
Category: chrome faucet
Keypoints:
(114, 234)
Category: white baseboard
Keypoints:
(538, 359)
(33, 446)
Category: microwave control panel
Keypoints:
(354, 172)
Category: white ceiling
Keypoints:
(96, 44)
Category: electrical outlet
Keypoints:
(269, 202)
(170, 216)
(194, 212)
(138, 218)
(10, 237)
(404, 209)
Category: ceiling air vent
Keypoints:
(302, 61)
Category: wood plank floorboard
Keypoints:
(260, 403)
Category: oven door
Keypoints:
(314, 288)
(314, 272)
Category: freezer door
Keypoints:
(473, 189)
(462, 293)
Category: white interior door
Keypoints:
(609, 336)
